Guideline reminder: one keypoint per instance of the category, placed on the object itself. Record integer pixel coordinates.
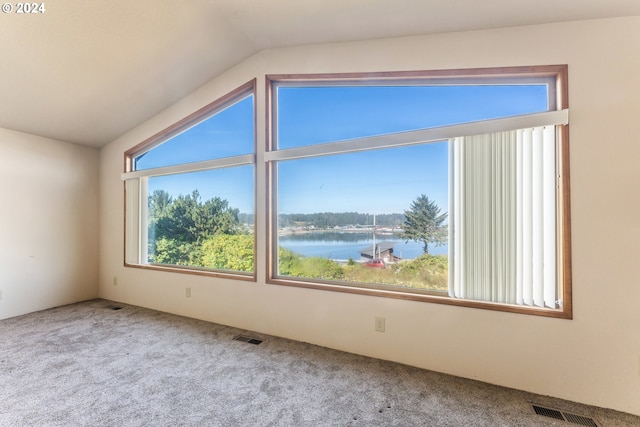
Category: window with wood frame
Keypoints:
(190, 192)
(446, 186)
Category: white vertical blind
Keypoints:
(137, 218)
(550, 217)
(144, 220)
(503, 210)
(132, 220)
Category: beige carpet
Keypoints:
(89, 365)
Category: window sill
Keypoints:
(437, 297)
(248, 277)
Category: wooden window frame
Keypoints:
(209, 110)
(559, 75)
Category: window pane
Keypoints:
(321, 114)
(379, 218)
(229, 132)
(203, 219)
(326, 212)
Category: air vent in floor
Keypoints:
(564, 416)
(548, 412)
(245, 338)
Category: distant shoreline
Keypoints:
(379, 230)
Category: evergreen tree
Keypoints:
(179, 226)
(188, 219)
(423, 222)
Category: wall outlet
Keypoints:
(187, 292)
(115, 280)
(379, 324)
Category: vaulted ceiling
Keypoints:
(87, 71)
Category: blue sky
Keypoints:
(380, 181)
(225, 134)
(311, 115)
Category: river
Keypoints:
(344, 245)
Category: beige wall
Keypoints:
(593, 358)
(48, 223)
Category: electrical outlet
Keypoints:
(115, 280)
(379, 324)
(187, 292)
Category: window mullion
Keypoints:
(227, 162)
(421, 136)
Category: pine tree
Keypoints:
(423, 222)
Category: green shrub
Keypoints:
(292, 264)
(229, 252)
(170, 251)
(425, 272)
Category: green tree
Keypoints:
(187, 219)
(423, 222)
(228, 252)
(178, 227)
(170, 251)
(158, 202)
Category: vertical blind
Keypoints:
(503, 208)
(136, 220)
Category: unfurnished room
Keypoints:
(319, 213)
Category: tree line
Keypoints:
(339, 219)
(423, 222)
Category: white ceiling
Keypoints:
(87, 71)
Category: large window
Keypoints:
(449, 187)
(190, 192)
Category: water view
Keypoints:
(344, 245)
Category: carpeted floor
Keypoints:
(89, 365)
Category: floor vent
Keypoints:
(245, 338)
(564, 416)
(548, 412)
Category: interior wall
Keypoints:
(593, 358)
(48, 223)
